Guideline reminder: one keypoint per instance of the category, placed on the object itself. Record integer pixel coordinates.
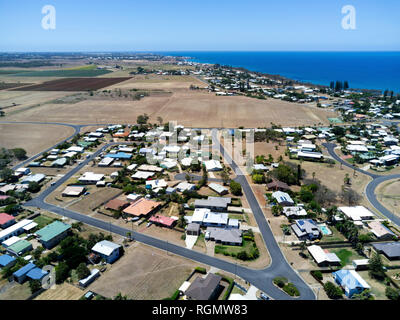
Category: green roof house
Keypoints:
(53, 233)
(20, 247)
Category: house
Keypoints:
(156, 184)
(119, 155)
(36, 274)
(380, 231)
(350, 281)
(294, 212)
(7, 261)
(213, 203)
(193, 229)
(73, 191)
(39, 177)
(283, 198)
(142, 207)
(21, 274)
(94, 274)
(133, 197)
(232, 237)
(204, 288)
(323, 257)
(107, 250)
(221, 190)
(391, 250)
(91, 178)
(357, 213)
(6, 220)
(306, 229)
(106, 162)
(278, 185)
(19, 248)
(213, 165)
(52, 234)
(162, 221)
(151, 168)
(116, 204)
(10, 241)
(185, 186)
(361, 264)
(14, 230)
(142, 175)
(59, 163)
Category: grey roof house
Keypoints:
(224, 236)
(204, 288)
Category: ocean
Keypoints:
(363, 70)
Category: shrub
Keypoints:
(280, 281)
(201, 270)
(291, 290)
(392, 294)
(317, 275)
(333, 291)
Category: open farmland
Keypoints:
(188, 107)
(73, 84)
(31, 136)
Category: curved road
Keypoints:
(262, 279)
(371, 186)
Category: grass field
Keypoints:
(43, 221)
(63, 291)
(79, 72)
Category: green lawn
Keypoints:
(43, 221)
(234, 250)
(346, 256)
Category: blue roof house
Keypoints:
(119, 155)
(7, 261)
(21, 274)
(36, 274)
(350, 281)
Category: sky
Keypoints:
(220, 25)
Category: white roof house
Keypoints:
(294, 211)
(183, 186)
(154, 184)
(320, 256)
(14, 230)
(357, 213)
(105, 162)
(218, 188)
(283, 198)
(131, 166)
(105, 247)
(10, 241)
(142, 175)
(91, 177)
(213, 165)
(75, 149)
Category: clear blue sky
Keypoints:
(173, 25)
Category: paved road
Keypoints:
(371, 187)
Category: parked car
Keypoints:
(264, 296)
(148, 224)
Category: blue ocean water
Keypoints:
(363, 70)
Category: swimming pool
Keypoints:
(324, 229)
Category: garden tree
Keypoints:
(62, 272)
(333, 291)
(33, 187)
(392, 293)
(236, 188)
(82, 270)
(260, 159)
(350, 196)
(225, 177)
(376, 267)
(142, 119)
(286, 173)
(72, 251)
(277, 210)
(119, 296)
(6, 174)
(258, 178)
(346, 179)
(303, 246)
(12, 209)
(35, 286)
(37, 252)
(339, 131)
(365, 295)
(19, 153)
(181, 221)
(160, 120)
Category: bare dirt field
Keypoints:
(187, 107)
(63, 291)
(32, 137)
(144, 273)
(388, 194)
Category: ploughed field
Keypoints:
(73, 84)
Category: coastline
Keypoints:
(346, 66)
